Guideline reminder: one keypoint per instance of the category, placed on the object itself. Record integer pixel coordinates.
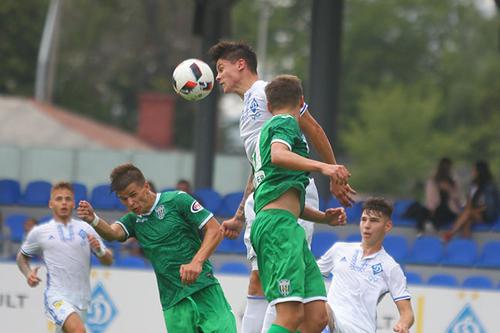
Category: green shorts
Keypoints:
(205, 311)
(287, 268)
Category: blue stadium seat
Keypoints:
(403, 222)
(413, 278)
(397, 247)
(354, 213)
(443, 280)
(45, 219)
(234, 267)
(322, 241)
(10, 192)
(15, 222)
(332, 203)
(236, 246)
(460, 252)
(400, 206)
(229, 205)
(80, 192)
(496, 226)
(353, 238)
(427, 250)
(37, 193)
(490, 256)
(478, 282)
(484, 227)
(209, 198)
(103, 198)
(131, 262)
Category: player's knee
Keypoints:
(254, 285)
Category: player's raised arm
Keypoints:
(317, 136)
(211, 239)
(85, 211)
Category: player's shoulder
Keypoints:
(388, 261)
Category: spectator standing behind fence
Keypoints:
(482, 204)
(29, 224)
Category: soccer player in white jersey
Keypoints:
(363, 273)
(236, 65)
(65, 244)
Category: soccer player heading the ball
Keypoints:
(236, 65)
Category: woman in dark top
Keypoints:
(482, 205)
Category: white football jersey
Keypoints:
(358, 285)
(66, 252)
(254, 115)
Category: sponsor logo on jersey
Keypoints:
(466, 321)
(284, 287)
(102, 310)
(196, 207)
(160, 212)
(377, 269)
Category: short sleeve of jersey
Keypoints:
(127, 222)
(31, 245)
(191, 210)
(284, 129)
(327, 261)
(397, 284)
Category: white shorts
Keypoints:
(312, 200)
(58, 310)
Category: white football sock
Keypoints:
(254, 314)
(269, 318)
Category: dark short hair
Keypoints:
(233, 51)
(124, 175)
(379, 205)
(62, 185)
(283, 91)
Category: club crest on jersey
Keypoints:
(196, 207)
(284, 287)
(160, 212)
(377, 269)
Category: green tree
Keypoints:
(21, 25)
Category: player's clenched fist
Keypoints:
(85, 211)
(190, 272)
(335, 216)
(33, 279)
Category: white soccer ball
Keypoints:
(193, 79)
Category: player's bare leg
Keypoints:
(74, 324)
(315, 317)
(331, 318)
(289, 315)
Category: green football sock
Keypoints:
(277, 329)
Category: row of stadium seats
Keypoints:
(427, 250)
(37, 194)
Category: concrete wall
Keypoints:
(92, 166)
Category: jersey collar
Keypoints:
(154, 205)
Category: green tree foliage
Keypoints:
(393, 140)
(21, 24)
